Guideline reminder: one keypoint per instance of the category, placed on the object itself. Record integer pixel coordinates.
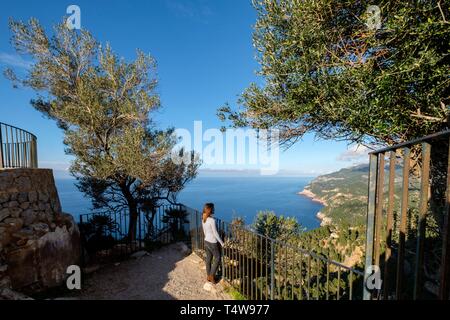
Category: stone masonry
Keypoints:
(37, 240)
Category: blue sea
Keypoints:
(233, 197)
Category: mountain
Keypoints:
(344, 195)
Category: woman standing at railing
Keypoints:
(212, 239)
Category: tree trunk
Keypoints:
(133, 211)
(132, 228)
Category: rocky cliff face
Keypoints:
(37, 240)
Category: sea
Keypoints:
(233, 196)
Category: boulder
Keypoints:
(43, 262)
(183, 248)
(13, 224)
(208, 286)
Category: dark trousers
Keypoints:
(212, 250)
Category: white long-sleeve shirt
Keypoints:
(210, 231)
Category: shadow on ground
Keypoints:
(165, 274)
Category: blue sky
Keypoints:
(205, 58)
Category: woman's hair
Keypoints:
(208, 210)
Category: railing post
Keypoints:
(196, 231)
(423, 208)
(35, 157)
(379, 209)
(403, 224)
(389, 224)
(139, 226)
(370, 222)
(82, 244)
(445, 264)
(1, 146)
(272, 269)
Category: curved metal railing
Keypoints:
(18, 148)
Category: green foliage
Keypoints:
(235, 294)
(103, 104)
(176, 220)
(97, 233)
(325, 71)
(276, 227)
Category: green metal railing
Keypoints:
(18, 148)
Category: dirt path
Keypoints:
(166, 274)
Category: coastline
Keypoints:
(309, 194)
(324, 220)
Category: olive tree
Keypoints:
(103, 104)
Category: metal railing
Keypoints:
(18, 148)
(407, 221)
(262, 268)
(257, 266)
(105, 236)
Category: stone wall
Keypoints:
(37, 240)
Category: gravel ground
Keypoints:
(165, 274)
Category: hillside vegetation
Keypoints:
(344, 194)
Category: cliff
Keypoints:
(343, 193)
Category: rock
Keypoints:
(22, 197)
(25, 205)
(208, 286)
(183, 248)
(91, 269)
(8, 294)
(15, 212)
(4, 197)
(13, 204)
(13, 196)
(28, 216)
(236, 282)
(14, 224)
(21, 242)
(5, 239)
(32, 196)
(40, 228)
(139, 254)
(432, 288)
(5, 282)
(42, 206)
(23, 183)
(4, 213)
(7, 180)
(43, 263)
(23, 234)
(43, 196)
